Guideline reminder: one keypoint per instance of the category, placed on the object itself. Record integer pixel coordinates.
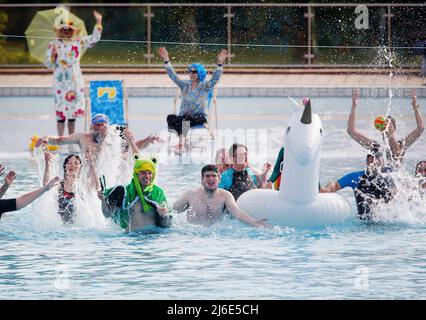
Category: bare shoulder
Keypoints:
(225, 194)
(191, 194)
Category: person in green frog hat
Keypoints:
(139, 204)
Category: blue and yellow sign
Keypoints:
(107, 97)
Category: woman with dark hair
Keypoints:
(397, 148)
(67, 186)
(196, 94)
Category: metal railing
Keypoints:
(298, 35)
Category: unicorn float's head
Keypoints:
(303, 138)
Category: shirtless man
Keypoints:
(86, 140)
(139, 204)
(93, 139)
(207, 205)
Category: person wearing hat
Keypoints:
(370, 186)
(207, 205)
(92, 140)
(196, 95)
(139, 204)
(63, 57)
(397, 148)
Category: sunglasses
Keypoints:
(192, 71)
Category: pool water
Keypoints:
(94, 259)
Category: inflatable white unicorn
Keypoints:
(298, 202)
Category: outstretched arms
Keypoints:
(73, 138)
(27, 198)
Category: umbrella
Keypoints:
(42, 30)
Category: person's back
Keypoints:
(370, 191)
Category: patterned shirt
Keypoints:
(194, 101)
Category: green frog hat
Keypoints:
(144, 165)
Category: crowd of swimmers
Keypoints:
(140, 202)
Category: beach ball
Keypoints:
(380, 123)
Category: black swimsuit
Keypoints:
(241, 182)
(372, 188)
(7, 205)
(66, 205)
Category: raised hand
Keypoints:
(155, 138)
(162, 52)
(128, 134)
(97, 16)
(355, 97)
(52, 183)
(413, 99)
(10, 178)
(221, 57)
(47, 156)
(266, 167)
(40, 141)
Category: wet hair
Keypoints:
(67, 159)
(375, 154)
(234, 148)
(207, 168)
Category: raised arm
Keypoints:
(47, 161)
(162, 52)
(239, 214)
(357, 136)
(27, 198)
(94, 181)
(416, 133)
(182, 203)
(221, 57)
(89, 41)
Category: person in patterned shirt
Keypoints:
(196, 95)
(63, 57)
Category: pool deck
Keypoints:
(335, 83)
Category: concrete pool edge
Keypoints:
(270, 91)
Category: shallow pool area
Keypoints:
(43, 259)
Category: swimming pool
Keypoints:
(41, 259)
